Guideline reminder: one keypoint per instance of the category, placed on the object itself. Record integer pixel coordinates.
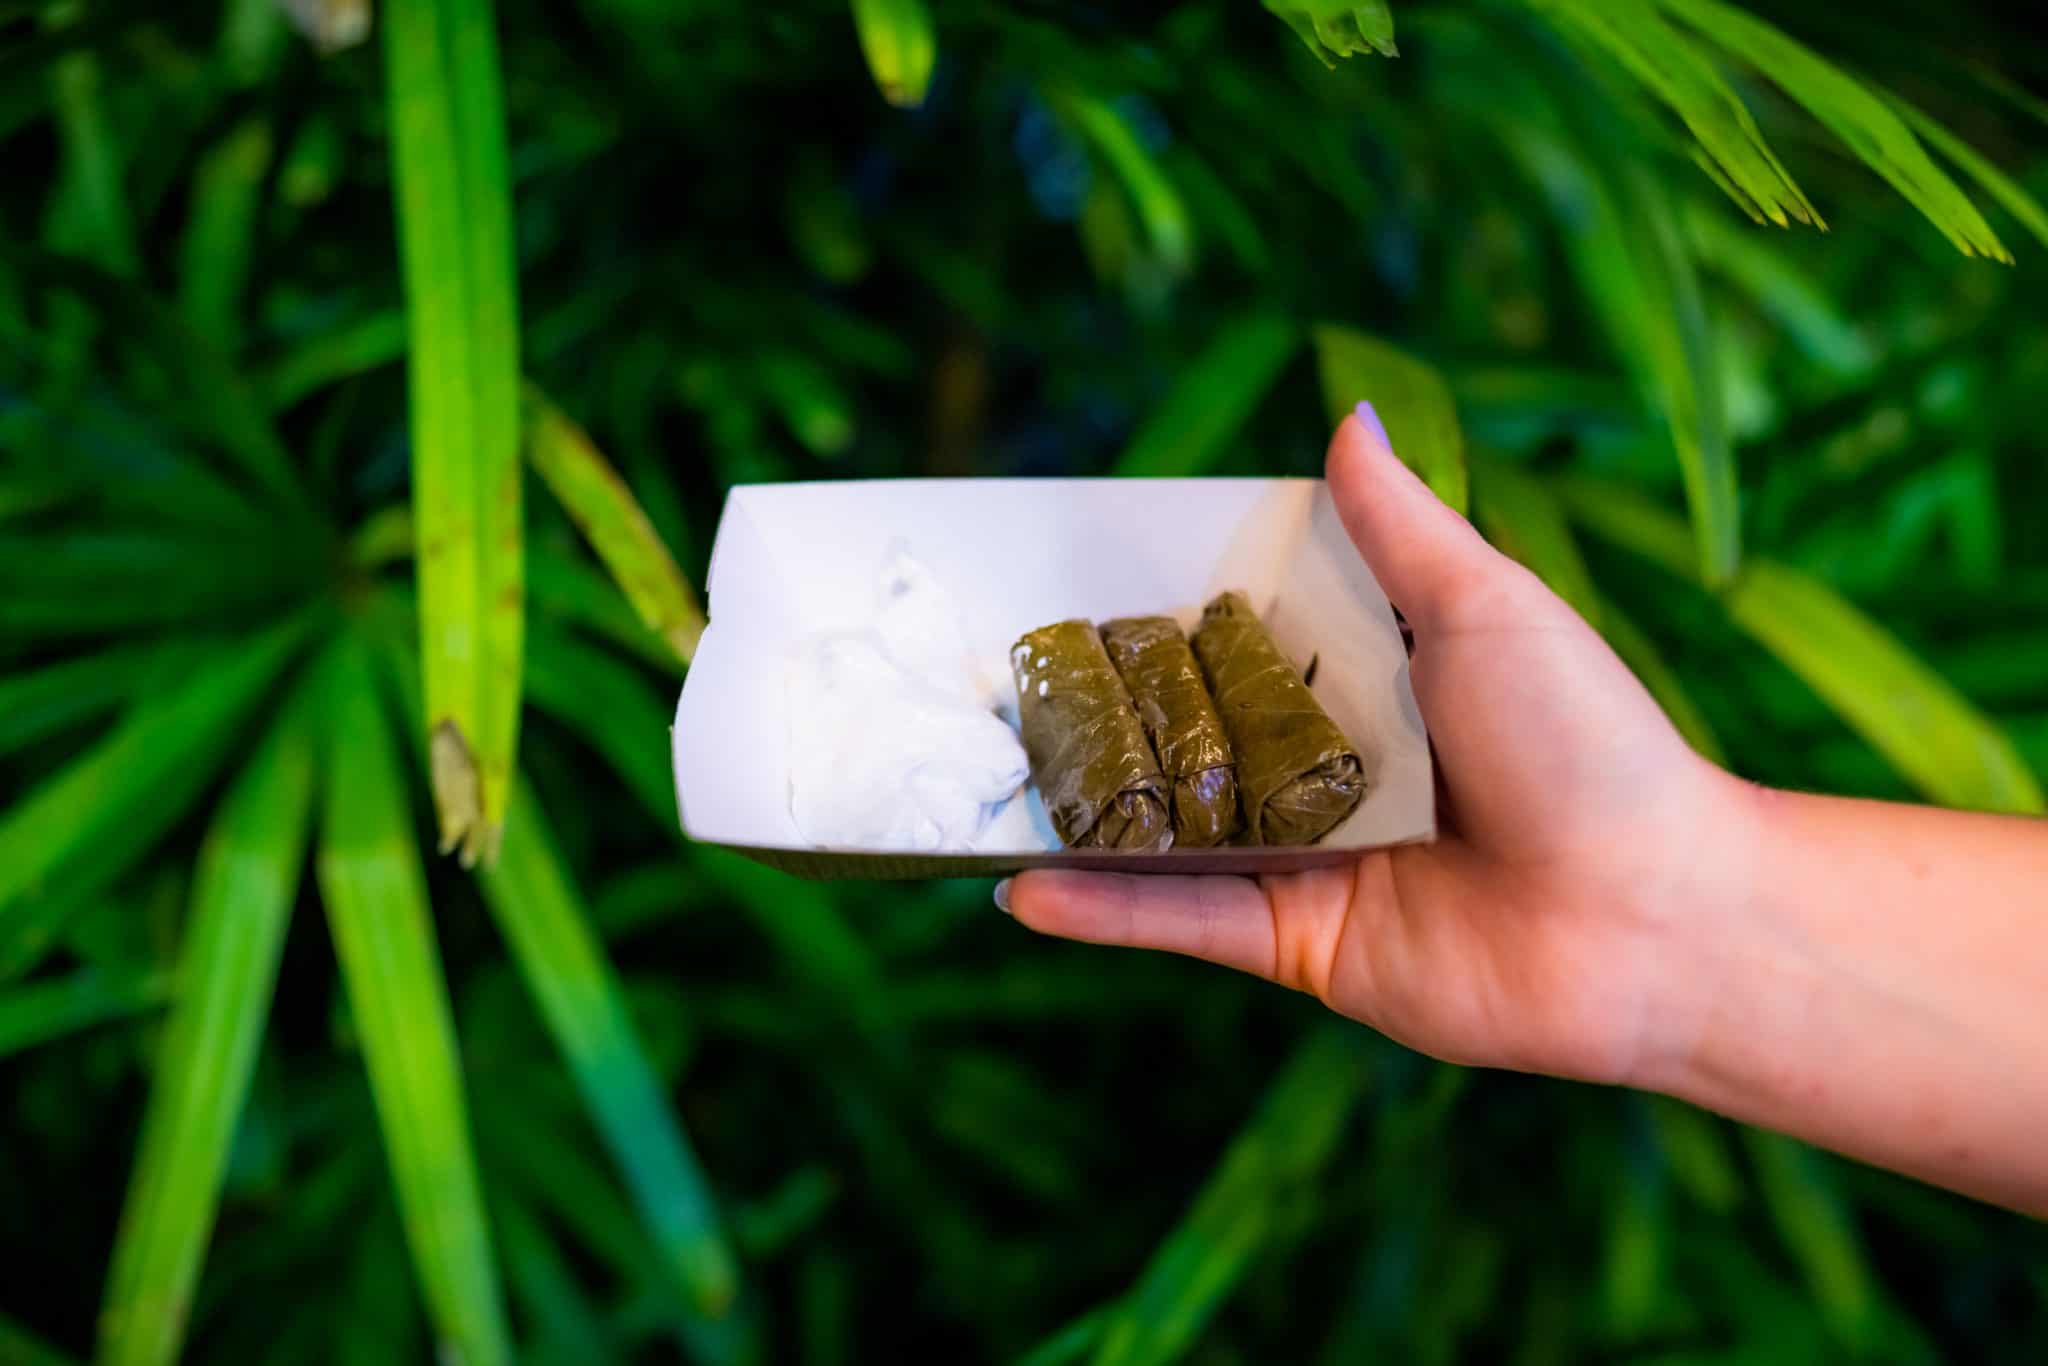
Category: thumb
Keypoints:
(1425, 556)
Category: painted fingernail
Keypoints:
(1003, 896)
(1371, 419)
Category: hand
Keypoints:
(1581, 835)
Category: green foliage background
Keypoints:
(279, 1083)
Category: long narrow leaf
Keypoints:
(213, 258)
(1282, 1149)
(1521, 517)
(612, 520)
(1647, 662)
(454, 212)
(1974, 164)
(354, 348)
(615, 708)
(1803, 1204)
(1856, 114)
(897, 38)
(41, 1011)
(1339, 28)
(1152, 193)
(1411, 397)
(569, 589)
(544, 919)
(1213, 398)
(133, 784)
(1923, 727)
(376, 897)
(1671, 64)
(248, 877)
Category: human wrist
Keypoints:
(1708, 954)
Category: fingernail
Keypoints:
(1003, 896)
(1371, 418)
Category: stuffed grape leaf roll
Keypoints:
(1297, 774)
(1153, 659)
(1094, 768)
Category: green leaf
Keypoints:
(127, 789)
(567, 1329)
(1213, 399)
(1923, 727)
(353, 348)
(44, 1010)
(543, 918)
(605, 510)
(1799, 1193)
(1168, 228)
(51, 699)
(455, 230)
(1412, 398)
(248, 878)
(213, 258)
(1908, 712)
(897, 38)
(1647, 662)
(1280, 1152)
(1673, 67)
(1521, 517)
(376, 897)
(19, 1347)
(90, 217)
(1856, 114)
(1979, 168)
(1622, 239)
(1693, 1148)
(1339, 28)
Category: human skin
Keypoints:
(1605, 904)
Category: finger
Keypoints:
(1425, 555)
(1224, 920)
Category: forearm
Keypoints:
(1880, 988)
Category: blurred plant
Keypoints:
(1104, 242)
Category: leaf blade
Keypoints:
(901, 48)
(611, 519)
(1212, 400)
(1412, 398)
(542, 915)
(248, 877)
(376, 900)
(454, 212)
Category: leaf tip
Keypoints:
(458, 791)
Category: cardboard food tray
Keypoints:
(792, 560)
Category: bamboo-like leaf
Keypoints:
(242, 898)
(1857, 115)
(568, 1331)
(1693, 1148)
(455, 228)
(40, 1011)
(90, 214)
(901, 47)
(1339, 28)
(1978, 167)
(45, 701)
(1671, 65)
(1622, 239)
(1282, 1149)
(1213, 398)
(213, 258)
(1927, 730)
(1159, 206)
(1647, 662)
(542, 916)
(1412, 398)
(1923, 727)
(1521, 517)
(376, 898)
(1803, 1204)
(127, 789)
(354, 348)
(611, 519)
